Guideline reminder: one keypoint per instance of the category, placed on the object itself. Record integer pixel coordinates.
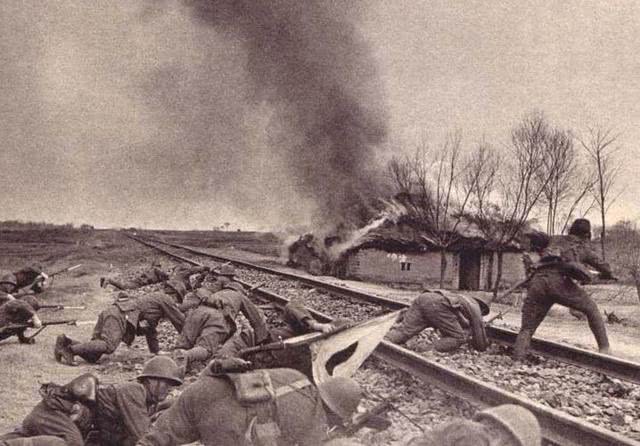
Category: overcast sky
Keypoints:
(134, 114)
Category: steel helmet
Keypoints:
(342, 395)
(226, 270)
(83, 388)
(162, 367)
(519, 422)
(455, 432)
(581, 227)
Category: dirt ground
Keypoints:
(24, 368)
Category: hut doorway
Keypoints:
(469, 274)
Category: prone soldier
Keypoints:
(19, 312)
(121, 322)
(262, 407)
(451, 314)
(14, 283)
(152, 275)
(554, 282)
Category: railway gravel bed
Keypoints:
(606, 402)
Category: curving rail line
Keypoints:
(558, 428)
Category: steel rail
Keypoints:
(587, 359)
(557, 427)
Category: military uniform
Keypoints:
(554, 282)
(122, 322)
(212, 322)
(41, 440)
(11, 283)
(184, 271)
(210, 411)
(15, 311)
(122, 414)
(148, 277)
(447, 312)
(297, 319)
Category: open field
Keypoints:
(110, 252)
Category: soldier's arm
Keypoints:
(588, 257)
(172, 313)
(152, 340)
(132, 404)
(479, 339)
(177, 425)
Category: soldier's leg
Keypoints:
(535, 308)
(412, 323)
(91, 351)
(576, 298)
(119, 284)
(446, 322)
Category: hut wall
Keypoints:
(512, 269)
(381, 266)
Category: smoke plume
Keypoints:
(307, 61)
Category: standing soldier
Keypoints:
(11, 284)
(148, 277)
(451, 314)
(18, 311)
(121, 322)
(263, 407)
(554, 282)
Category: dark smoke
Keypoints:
(307, 60)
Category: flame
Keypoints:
(392, 212)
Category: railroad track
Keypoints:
(558, 427)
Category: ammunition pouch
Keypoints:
(255, 392)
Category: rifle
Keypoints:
(45, 324)
(63, 307)
(497, 316)
(372, 416)
(42, 278)
(293, 342)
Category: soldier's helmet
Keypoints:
(162, 367)
(539, 240)
(581, 227)
(226, 270)
(83, 388)
(456, 432)
(342, 395)
(520, 424)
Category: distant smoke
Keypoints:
(307, 60)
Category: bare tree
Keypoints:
(502, 206)
(429, 184)
(566, 186)
(626, 243)
(599, 144)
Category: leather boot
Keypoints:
(62, 352)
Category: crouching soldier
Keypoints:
(554, 281)
(298, 321)
(14, 284)
(123, 412)
(148, 277)
(213, 322)
(122, 322)
(451, 314)
(63, 414)
(262, 407)
(18, 312)
(506, 425)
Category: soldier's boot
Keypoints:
(62, 352)
(194, 355)
(89, 351)
(521, 346)
(103, 282)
